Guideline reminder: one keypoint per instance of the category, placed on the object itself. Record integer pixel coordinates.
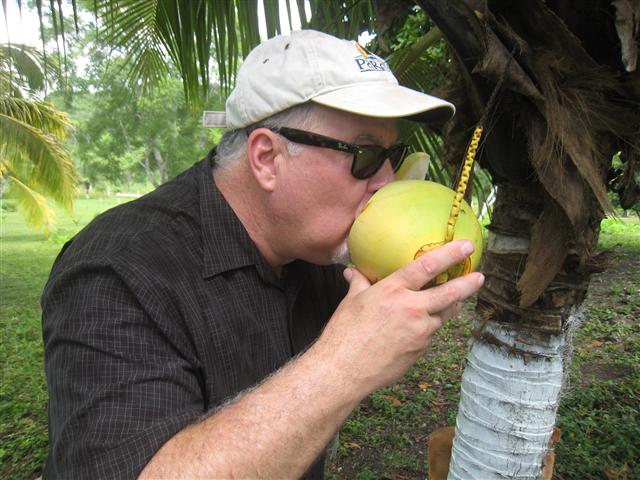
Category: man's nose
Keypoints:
(382, 177)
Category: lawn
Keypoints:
(386, 435)
(25, 261)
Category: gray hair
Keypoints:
(233, 144)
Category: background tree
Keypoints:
(127, 137)
(123, 138)
(34, 164)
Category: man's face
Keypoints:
(317, 198)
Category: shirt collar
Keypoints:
(226, 243)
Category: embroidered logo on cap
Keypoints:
(369, 62)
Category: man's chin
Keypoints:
(342, 257)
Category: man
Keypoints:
(201, 331)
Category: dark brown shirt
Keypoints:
(159, 311)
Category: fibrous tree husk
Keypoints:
(567, 103)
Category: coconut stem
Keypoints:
(462, 183)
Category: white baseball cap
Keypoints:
(307, 65)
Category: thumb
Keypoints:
(356, 280)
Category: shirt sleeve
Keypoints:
(120, 386)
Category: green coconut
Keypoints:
(406, 219)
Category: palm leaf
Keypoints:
(39, 157)
(23, 60)
(402, 60)
(40, 115)
(149, 31)
(10, 84)
(24, 66)
(152, 30)
(247, 26)
(272, 17)
(225, 41)
(133, 26)
(34, 206)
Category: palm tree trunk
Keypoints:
(508, 406)
(146, 164)
(549, 146)
(516, 366)
(161, 164)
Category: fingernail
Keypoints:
(467, 248)
(347, 274)
(480, 279)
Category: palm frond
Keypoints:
(33, 205)
(304, 21)
(247, 26)
(9, 84)
(133, 26)
(40, 115)
(190, 32)
(24, 66)
(401, 60)
(424, 140)
(40, 157)
(150, 32)
(23, 60)
(226, 42)
(272, 17)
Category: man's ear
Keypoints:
(263, 150)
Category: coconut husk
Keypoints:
(561, 116)
(549, 253)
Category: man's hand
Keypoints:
(277, 429)
(380, 330)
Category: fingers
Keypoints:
(357, 281)
(440, 318)
(448, 313)
(424, 269)
(445, 296)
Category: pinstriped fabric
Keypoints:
(156, 313)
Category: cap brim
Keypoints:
(388, 101)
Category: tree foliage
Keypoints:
(155, 40)
(124, 139)
(34, 164)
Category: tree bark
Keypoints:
(161, 163)
(128, 178)
(518, 358)
(564, 107)
(148, 170)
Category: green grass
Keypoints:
(600, 414)
(623, 232)
(25, 261)
(386, 435)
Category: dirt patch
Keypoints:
(597, 373)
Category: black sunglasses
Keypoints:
(367, 159)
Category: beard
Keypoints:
(342, 257)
